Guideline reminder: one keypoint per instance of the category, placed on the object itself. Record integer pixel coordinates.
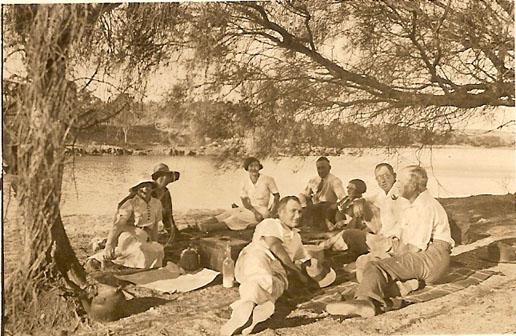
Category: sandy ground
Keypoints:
(486, 308)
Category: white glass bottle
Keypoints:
(228, 269)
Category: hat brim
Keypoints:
(138, 186)
(173, 174)
(328, 279)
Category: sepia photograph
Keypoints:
(283, 167)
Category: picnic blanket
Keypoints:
(170, 271)
(458, 279)
(170, 279)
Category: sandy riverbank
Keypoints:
(486, 308)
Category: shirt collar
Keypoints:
(251, 181)
(394, 192)
(289, 230)
(139, 199)
(324, 178)
(421, 198)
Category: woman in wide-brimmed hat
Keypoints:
(132, 240)
(163, 176)
(255, 196)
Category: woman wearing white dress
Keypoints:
(132, 241)
(255, 195)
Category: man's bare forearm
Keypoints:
(247, 204)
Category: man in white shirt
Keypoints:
(387, 207)
(388, 201)
(320, 196)
(422, 253)
(262, 266)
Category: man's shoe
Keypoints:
(260, 313)
(363, 308)
(239, 318)
(407, 287)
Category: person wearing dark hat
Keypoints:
(132, 240)
(255, 196)
(422, 252)
(163, 176)
(352, 219)
(350, 210)
(320, 196)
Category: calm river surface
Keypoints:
(96, 183)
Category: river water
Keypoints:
(93, 185)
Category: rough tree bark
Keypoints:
(42, 118)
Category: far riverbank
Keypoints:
(149, 140)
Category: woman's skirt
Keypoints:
(136, 251)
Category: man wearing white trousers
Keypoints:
(262, 266)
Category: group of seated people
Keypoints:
(402, 236)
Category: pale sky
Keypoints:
(166, 77)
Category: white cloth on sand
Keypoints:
(135, 251)
(184, 283)
(237, 218)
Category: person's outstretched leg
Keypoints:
(260, 313)
(370, 289)
(239, 317)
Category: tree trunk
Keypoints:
(48, 265)
(125, 130)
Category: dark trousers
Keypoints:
(314, 215)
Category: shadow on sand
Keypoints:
(472, 261)
(141, 304)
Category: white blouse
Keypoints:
(259, 193)
(137, 212)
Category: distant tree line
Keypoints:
(179, 121)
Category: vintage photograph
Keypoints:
(284, 167)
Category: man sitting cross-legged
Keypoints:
(423, 252)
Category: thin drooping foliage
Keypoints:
(40, 120)
(41, 111)
(421, 64)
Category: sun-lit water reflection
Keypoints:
(97, 183)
